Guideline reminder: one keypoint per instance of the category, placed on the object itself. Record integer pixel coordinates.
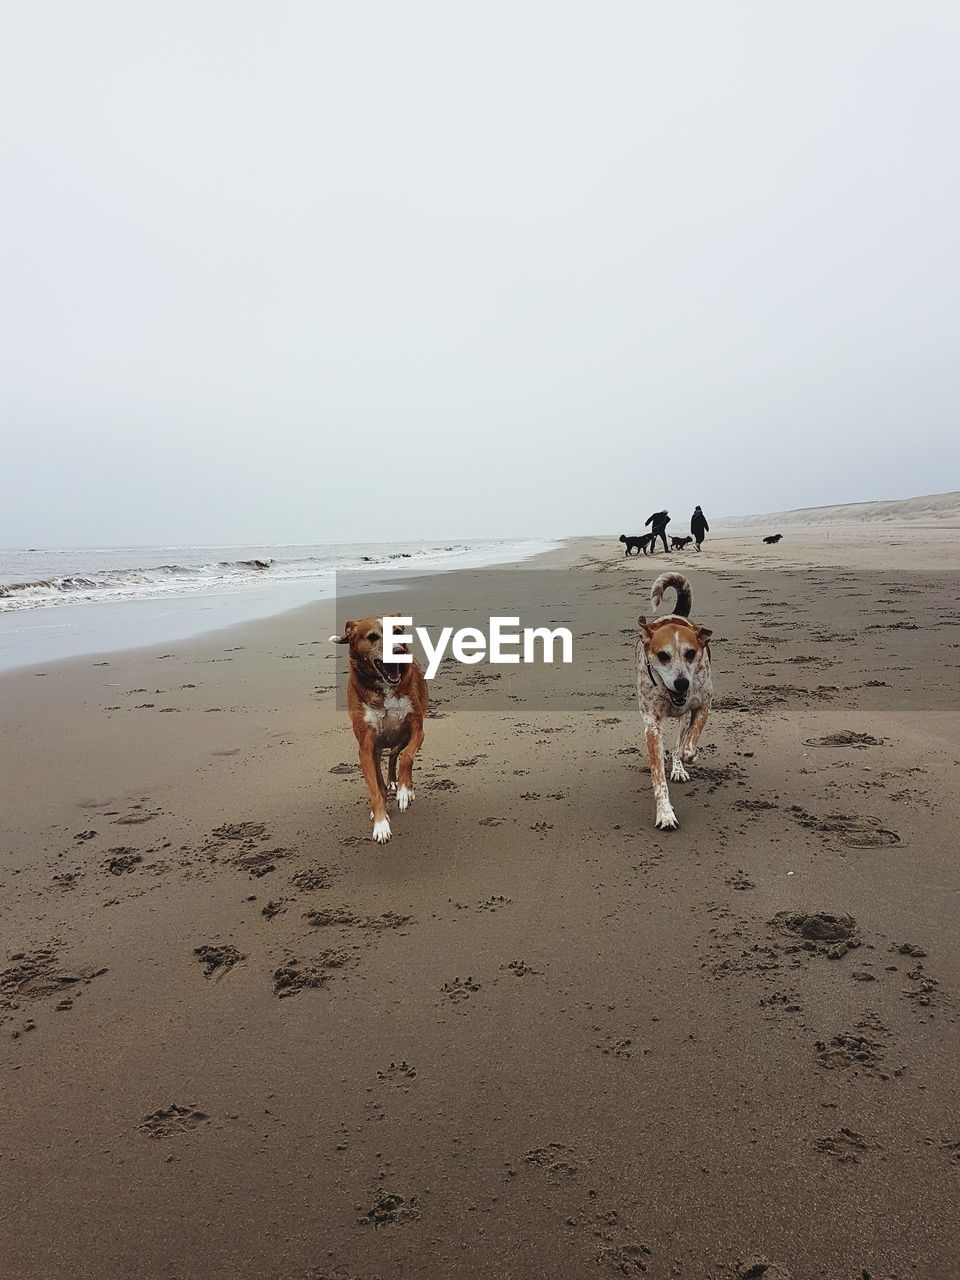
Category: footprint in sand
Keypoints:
(311, 879)
(924, 989)
(137, 815)
(760, 1268)
(401, 1074)
(390, 1210)
(741, 881)
(820, 931)
(166, 1122)
(343, 917)
(555, 1159)
(625, 1259)
(845, 738)
(260, 862)
(494, 903)
(217, 960)
(442, 784)
(845, 1146)
(123, 860)
(614, 1046)
(33, 975)
(460, 989)
(849, 1051)
(294, 976)
(239, 831)
(857, 830)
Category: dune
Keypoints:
(935, 507)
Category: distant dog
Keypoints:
(673, 680)
(641, 542)
(387, 702)
(679, 543)
(774, 537)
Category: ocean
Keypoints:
(61, 603)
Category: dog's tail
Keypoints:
(682, 588)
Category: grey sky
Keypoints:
(323, 271)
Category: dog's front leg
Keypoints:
(370, 764)
(666, 818)
(677, 772)
(405, 792)
(698, 722)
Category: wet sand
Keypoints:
(531, 1036)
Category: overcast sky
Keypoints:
(322, 271)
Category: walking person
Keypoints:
(658, 528)
(698, 526)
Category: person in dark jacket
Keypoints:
(658, 528)
(698, 526)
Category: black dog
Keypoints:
(640, 542)
(774, 537)
(679, 543)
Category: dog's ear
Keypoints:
(643, 628)
(348, 630)
(398, 648)
(704, 634)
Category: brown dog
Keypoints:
(387, 702)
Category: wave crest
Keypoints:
(126, 581)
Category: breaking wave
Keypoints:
(127, 581)
(197, 574)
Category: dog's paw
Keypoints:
(667, 820)
(677, 772)
(405, 798)
(381, 831)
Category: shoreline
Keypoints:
(58, 630)
(870, 547)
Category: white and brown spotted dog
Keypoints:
(387, 702)
(673, 679)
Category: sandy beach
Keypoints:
(532, 1036)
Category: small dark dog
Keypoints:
(641, 542)
(774, 537)
(679, 543)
